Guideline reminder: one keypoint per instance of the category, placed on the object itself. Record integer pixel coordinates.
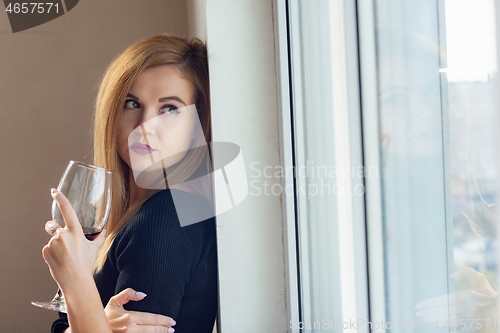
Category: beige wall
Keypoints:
(197, 19)
(48, 76)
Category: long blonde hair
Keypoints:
(190, 57)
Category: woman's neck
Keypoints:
(135, 190)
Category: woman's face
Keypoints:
(158, 121)
(410, 105)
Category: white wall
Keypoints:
(240, 40)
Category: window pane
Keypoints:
(435, 65)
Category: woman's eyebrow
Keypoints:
(163, 99)
(134, 97)
(175, 98)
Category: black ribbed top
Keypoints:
(175, 266)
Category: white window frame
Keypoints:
(348, 138)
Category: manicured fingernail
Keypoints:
(172, 322)
(171, 330)
(419, 314)
(53, 190)
(140, 293)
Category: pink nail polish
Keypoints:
(53, 190)
(172, 322)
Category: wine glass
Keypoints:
(88, 189)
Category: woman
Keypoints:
(146, 248)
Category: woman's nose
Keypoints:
(148, 122)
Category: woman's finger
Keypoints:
(126, 295)
(52, 227)
(457, 297)
(433, 302)
(155, 329)
(469, 274)
(146, 318)
(140, 318)
(67, 210)
(141, 321)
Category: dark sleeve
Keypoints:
(60, 324)
(156, 255)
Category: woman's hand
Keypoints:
(121, 320)
(478, 301)
(69, 255)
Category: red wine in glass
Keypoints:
(91, 233)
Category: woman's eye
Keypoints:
(169, 109)
(131, 104)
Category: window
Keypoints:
(393, 123)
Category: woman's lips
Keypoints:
(141, 149)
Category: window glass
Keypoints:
(436, 69)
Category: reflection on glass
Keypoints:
(438, 170)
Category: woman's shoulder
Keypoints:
(184, 208)
(156, 227)
(158, 211)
